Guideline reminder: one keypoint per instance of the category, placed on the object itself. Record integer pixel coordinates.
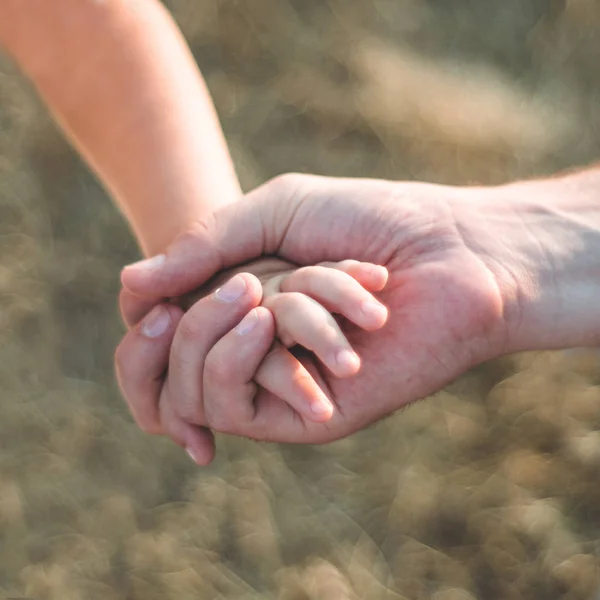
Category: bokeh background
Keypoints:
(489, 490)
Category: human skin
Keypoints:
(123, 86)
(120, 80)
(474, 273)
(122, 83)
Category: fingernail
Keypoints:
(321, 406)
(190, 453)
(157, 322)
(374, 309)
(348, 360)
(233, 290)
(248, 323)
(149, 263)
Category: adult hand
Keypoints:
(445, 307)
(464, 287)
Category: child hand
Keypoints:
(303, 302)
(311, 308)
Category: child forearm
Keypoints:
(121, 81)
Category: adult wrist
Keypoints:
(541, 241)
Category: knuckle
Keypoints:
(273, 357)
(218, 369)
(192, 412)
(303, 275)
(189, 328)
(220, 420)
(291, 301)
(324, 337)
(192, 415)
(302, 377)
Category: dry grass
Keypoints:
(489, 490)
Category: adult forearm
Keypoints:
(541, 239)
(119, 78)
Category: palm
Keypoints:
(445, 314)
(440, 298)
(430, 339)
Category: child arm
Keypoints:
(120, 80)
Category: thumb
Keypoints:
(229, 237)
(191, 260)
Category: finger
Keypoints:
(285, 377)
(301, 218)
(303, 321)
(275, 420)
(247, 356)
(372, 277)
(133, 308)
(339, 293)
(199, 330)
(231, 236)
(198, 442)
(229, 370)
(205, 249)
(190, 262)
(141, 360)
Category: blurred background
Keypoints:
(489, 490)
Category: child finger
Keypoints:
(140, 364)
(249, 356)
(229, 370)
(371, 276)
(338, 292)
(199, 330)
(285, 377)
(301, 320)
(199, 442)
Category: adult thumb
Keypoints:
(254, 226)
(229, 237)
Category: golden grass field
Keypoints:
(489, 490)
